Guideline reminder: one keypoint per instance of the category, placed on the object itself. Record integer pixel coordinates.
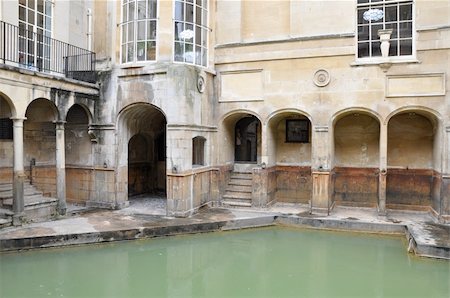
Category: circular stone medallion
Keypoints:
(321, 78)
(201, 84)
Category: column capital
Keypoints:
(17, 120)
(60, 124)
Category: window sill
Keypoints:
(384, 61)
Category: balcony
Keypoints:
(29, 50)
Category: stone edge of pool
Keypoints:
(414, 244)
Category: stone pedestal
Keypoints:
(321, 196)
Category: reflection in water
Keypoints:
(274, 262)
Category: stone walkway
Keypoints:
(145, 217)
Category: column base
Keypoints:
(17, 219)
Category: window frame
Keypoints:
(41, 52)
(380, 59)
(135, 21)
(290, 139)
(204, 27)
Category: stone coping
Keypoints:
(426, 239)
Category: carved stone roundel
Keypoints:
(201, 84)
(321, 78)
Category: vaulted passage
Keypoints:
(143, 133)
(6, 142)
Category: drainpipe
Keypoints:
(89, 29)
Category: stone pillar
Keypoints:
(383, 170)
(19, 173)
(60, 167)
(321, 200)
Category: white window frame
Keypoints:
(134, 41)
(204, 30)
(39, 56)
(392, 59)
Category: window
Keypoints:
(191, 31)
(297, 131)
(198, 151)
(6, 129)
(35, 25)
(375, 15)
(138, 30)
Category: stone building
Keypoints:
(225, 103)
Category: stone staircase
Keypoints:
(239, 190)
(37, 207)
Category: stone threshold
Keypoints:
(423, 238)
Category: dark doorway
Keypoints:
(246, 140)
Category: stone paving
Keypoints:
(146, 217)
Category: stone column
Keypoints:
(19, 173)
(60, 167)
(383, 170)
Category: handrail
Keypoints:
(27, 49)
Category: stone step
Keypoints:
(27, 192)
(238, 195)
(9, 186)
(32, 200)
(235, 203)
(5, 213)
(246, 182)
(242, 176)
(239, 188)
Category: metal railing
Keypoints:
(37, 52)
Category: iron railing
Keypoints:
(30, 50)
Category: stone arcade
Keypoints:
(224, 103)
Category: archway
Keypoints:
(412, 161)
(289, 150)
(40, 145)
(78, 150)
(142, 153)
(6, 142)
(246, 140)
(356, 159)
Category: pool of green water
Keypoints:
(267, 262)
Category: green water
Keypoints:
(269, 262)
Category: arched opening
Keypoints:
(40, 145)
(6, 142)
(78, 150)
(411, 159)
(142, 155)
(246, 140)
(289, 150)
(356, 160)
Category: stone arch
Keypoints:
(289, 150)
(40, 144)
(149, 122)
(356, 152)
(10, 104)
(84, 108)
(7, 111)
(229, 142)
(414, 158)
(78, 154)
